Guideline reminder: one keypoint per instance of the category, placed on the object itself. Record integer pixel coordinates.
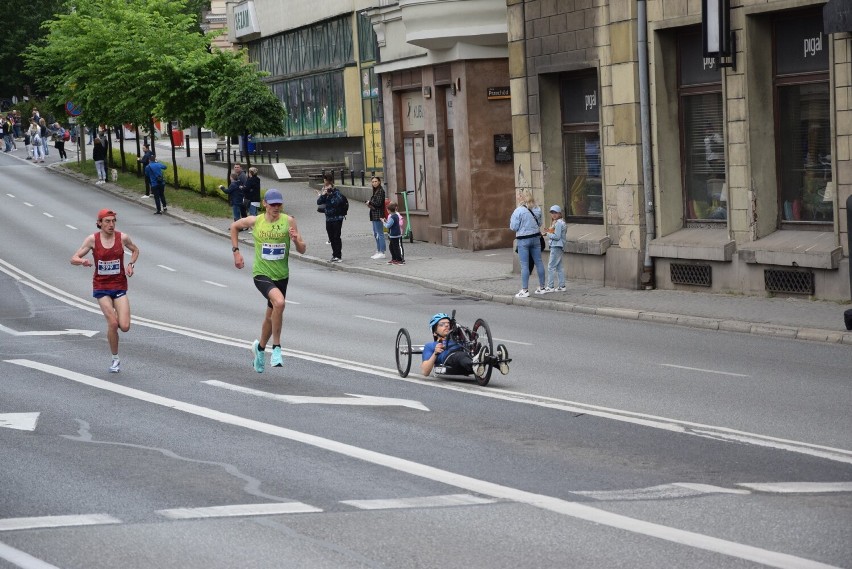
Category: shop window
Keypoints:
(581, 148)
(702, 139)
(803, 125)
(413, 148)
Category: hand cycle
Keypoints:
(471, 340)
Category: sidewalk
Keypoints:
(488, 274)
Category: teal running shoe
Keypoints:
(276, 360)
(259, 357)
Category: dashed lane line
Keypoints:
(13, 524)
(235, 510)
(706, 370)
(799, 487)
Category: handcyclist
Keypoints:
(445, 351)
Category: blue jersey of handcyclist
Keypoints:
(429, 349)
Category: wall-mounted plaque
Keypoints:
(503, 148)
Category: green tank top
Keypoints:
(272, 247)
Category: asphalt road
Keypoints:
(610, 443)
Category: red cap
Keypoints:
(105, 213)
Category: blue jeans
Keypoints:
(44, 146)
(554, 267)
(379, 234)
(237, 209)
(530, 248)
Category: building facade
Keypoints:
(444, 81)
(319, 57)
(750, 162)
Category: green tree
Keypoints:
(22, 28)
(243, 103)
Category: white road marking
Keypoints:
(239, 510)
(11, 195)
(706, 370)
(216, 284)
(46, 214)
(28, 204)
(19, 421)
(374, 319)
(799, 487)
(23, 560)
(490, 254)
(420, 502)
(66, 332)
(166, 268)
(351, 399)
(661, 492)
(575, 407)
(70, 226)
(482, 487)
(13, 524)
(288, 301)
(512, 342)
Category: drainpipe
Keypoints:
(647, 278)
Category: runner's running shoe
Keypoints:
(276, 360)
(116, 366)
(259, 357)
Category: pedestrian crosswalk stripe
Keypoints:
(239, 510)
(420, 502)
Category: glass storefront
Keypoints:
(803, 123)
(581, 148)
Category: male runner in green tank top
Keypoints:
(273, 235)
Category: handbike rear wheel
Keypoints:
(403, 352)
(483, 338)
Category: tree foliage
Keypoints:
(22, 28)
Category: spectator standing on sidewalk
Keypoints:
(243, 178)
(376, 203)
(251, 193)
(99, 156)
(235, 195)
(59, 142)
(157, 178)
(35, 141)
(556, 233)
(6, 133)
(145, 159)
(394, 225)
(526, 223)
(333, 200)
(45, 135)
(275, 234)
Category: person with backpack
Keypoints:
(336, 208)
(155, 172)
(394, 223)
(35, 141)
(376, 203)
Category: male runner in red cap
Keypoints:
(109, 284)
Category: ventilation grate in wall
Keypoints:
(789, 281)
(697, 275)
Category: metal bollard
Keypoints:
(362, 177)
(269, 156)
(342, 177)
(352, 176)
(276, 157)
(235, 155)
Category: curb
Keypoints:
(704, 323)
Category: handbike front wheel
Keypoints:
(403, 352)
(483, 338)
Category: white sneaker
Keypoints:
(522, 293)
(540, 290)
(479, 366)
(560, 289)
(116, 366)
(377, 255)
(548, 289)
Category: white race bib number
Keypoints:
(273, 251)
(109, 267)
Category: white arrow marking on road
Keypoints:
(351, 399)
(19, 421)
(66, 332)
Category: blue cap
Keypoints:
(273, 196)
(555, 209)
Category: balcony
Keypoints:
(441, 24)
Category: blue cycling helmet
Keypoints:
(437, 318)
